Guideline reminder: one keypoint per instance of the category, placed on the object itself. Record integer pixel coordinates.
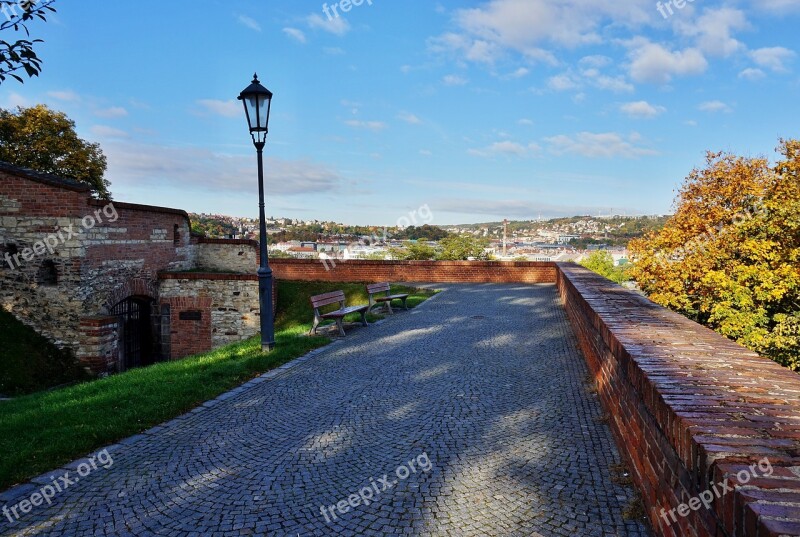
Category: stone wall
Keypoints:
(65, 257)
(215, 255)
(233, 308)
(690, 409)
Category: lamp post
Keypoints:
(257, 103)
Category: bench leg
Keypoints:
(389, 307)
(405, 306)
(364, 319)
(313, 330)
(339, 325)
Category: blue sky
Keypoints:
(480, 110)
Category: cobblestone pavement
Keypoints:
(469, 416)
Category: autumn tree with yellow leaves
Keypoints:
(730, 256)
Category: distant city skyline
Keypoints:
(481, 110)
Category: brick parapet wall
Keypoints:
(689, 409)
(414, 271)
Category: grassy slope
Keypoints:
(42, 431)
(29, 362)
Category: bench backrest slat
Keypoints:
(328, 298)
(377, 288)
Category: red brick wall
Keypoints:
(189, 337)
(414, 271)
(689, 409)
(40, 199)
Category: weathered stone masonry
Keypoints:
(105, 255)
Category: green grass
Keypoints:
(29, 362)
(45, 430)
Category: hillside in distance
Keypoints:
(576, 231)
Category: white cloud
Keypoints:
(655, 64)
(102, 131)
(616, 84)
(68, 96)
(507, 148)
(714, 29)
(229, 108)
(454, 80)
(249, 22)
(642, 110)
(409, 118)
(525, 122)
(714, 107)
(596, 61)
(374, 126)
(598, 145)
(337, 25)
(563, 82)
(15, 100)
(197, 168)
(592, 76)
(426, 152)
(110, 113)
(777, 6)
(773, 58)
(752, 74)
(477, 50)
(524, 25)
(509, 208)
(519, 73)
(295, 34)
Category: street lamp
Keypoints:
(257, 103)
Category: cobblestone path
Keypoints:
(469, 416)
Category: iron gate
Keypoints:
(136, 332)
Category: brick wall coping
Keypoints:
(239, 242)
(720, 406)
(46, 178)
(370, 262)
(213, 276)
(140, 207)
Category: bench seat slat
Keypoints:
(344, 311)
(388, 298)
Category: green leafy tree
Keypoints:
(729, 257)
(415, 251)
(45, 140)
(17, 56)
(463, 247)
(425, 232)
(602, 262)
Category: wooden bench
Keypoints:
(335, 297)
(379, 289)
